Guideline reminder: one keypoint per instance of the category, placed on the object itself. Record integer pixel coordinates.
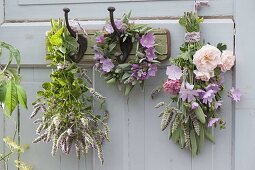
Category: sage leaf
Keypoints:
(193, 143)
(200, 114)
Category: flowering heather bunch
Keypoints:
(195, 84)
(66, 102)
(136, 69)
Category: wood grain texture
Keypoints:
(136, 140)
(151, 8)
(245, 109)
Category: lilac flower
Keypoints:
(100, 39)
(188, 93)
(152, 70)
(148, 40)
(212, 121)
(213, 87)
(194, 105)
(109, 28)
(208, 97)
(107, 65)
(138, 73)
(173, 72)
(150, 53)
(98, 55)
(235, 94)
(218, 104)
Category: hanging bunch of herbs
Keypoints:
(195, 85)
(68, 119)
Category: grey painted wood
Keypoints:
(136, 140)
(1, 11)
(245, 113)
(174, 8)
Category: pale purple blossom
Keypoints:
(138, 73)
(109, 28)
(174, 72)
(152, 70)
(100, 39)
(212, 121)
(107, 64)
(187, 93)
(194, 105)
(150, 54)
(235, 94)
(208, 97)
(213, 87)
(218, 104)
(98, 55)
(148, 40)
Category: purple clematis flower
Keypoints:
(137, 72)
(194, 105)
(212, 121)
(98, 55)
(152, 70)
(218, 104)
(148, 40)
(150, 54)
(100, 39)
(213, 87)
(174, 72)
(235, 94)
(188, 93)
(208, 97)
(107, 64)
(109, 28)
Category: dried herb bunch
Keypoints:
(68, 118)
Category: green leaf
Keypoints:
(176, 135)
(125, 76)
(22, 96)
(2, 93)
(209, 135)
(128, 89)
(193, 143)
(182, 139)
(201, 138)
(182, 21)
(111, 81)
(112, 46)
(221, 47)
(200, 114)
(11, 99)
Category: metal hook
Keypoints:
(82, 40)
(125, 46)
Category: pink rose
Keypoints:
(227, 60)
(204, 76)
(207, 58)
(172, 86)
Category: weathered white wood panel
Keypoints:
(136, 140)
(41, 10)
(245, 110)
(1, 11)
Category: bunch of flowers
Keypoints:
(138, 68)
(66, 102)
(195, 84)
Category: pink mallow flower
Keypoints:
(100, 39)
(148, 40)
(172, 86)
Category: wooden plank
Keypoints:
(115, 151)
(245, 109)
(1, 11)
(139, 9)
(160, 152)
(38, 155)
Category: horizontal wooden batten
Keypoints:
(163, 48)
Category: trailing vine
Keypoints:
(66, 102)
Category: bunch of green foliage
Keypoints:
(68, 117)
